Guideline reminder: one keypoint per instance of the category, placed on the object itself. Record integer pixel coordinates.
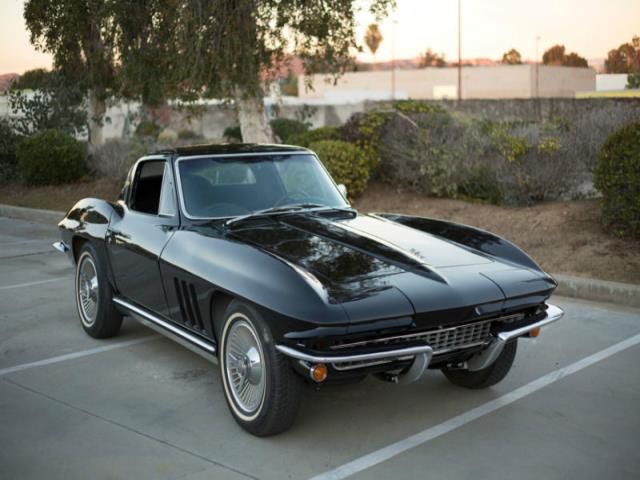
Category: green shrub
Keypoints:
(347, 163)
(285, 128)
(417, 106)
(233, 134)
(317, 134)
(8, 145)
(50, 157)
(148, 129)
(617, 176)
(481, 183)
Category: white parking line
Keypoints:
(74, 355)
(401, 446)
(31, 284)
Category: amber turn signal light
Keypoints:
(318, 372)
(535, 332)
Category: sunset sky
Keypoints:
(489, 28)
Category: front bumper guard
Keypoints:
(360, 357)
(421, 358)
(492, 352)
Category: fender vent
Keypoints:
(188, 302)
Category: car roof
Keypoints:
(230, 149)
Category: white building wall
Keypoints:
(610, 81)
(504, 81)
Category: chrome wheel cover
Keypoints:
(87, 290)
(244, 366)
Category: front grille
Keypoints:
(442, 340)
(458, 337)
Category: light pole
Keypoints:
(393, 59)
(459, 52)
(537, 69)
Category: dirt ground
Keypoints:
(59, 197)
(563, 237)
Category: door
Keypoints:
(136, 238)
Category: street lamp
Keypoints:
(393, 59)
(459, 52)
(537, 69)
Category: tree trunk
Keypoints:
(253, 120)
(97, 109)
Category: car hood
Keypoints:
(369, 264)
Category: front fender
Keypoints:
(88, 220)
(254, 275)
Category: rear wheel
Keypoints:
(488, 376)
(98, 316)
(262, 390)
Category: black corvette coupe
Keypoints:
(252, 256)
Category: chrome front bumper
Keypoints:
(425, 352)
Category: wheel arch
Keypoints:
(77, 242)
(218, 303)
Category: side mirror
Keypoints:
(342, 189)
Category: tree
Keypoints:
(633, 81)
(625, 58)
(556, 56)
(230, 48)
(143, 40)
(158, 49)
(512, 57)
(79, 34)
(52, 103)
(432, 59)
(575, 60)
(373, 38)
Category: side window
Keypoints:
(148, 188)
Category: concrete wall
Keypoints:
(530, 109)
(505, 81)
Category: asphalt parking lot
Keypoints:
(139, 406)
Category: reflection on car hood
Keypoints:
(402, 269)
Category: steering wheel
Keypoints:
(297, 196)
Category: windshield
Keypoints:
(217, 187)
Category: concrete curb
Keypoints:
(568, 285)
(31, 214)
(598, 290)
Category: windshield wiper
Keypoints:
(292, 208)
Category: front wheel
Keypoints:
(98, 316)
(489, 376)
(262, 390)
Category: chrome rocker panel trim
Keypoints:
(490, 354)
(184, 338)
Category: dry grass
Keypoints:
(564, 237)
